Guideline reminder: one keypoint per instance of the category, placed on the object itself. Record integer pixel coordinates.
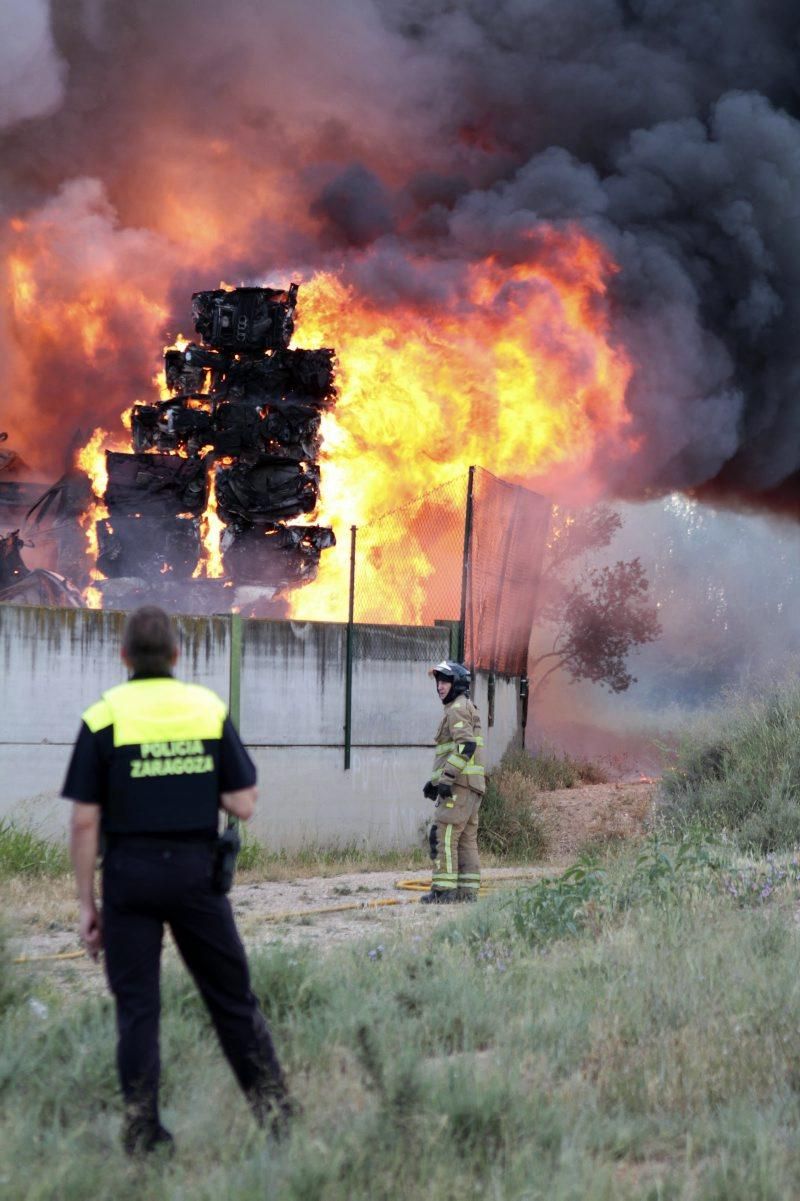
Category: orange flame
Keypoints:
(91, 459)
(520, 375)
(522, 380)
(209, 565)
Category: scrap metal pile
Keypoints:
(247, 409)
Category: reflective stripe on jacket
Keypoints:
(461, 724)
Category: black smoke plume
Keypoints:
(171, 142)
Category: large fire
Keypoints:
(522, 380)
(519, 376)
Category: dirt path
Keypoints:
(325, 911)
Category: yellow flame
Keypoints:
(209, 565)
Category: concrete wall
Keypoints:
(55, 662)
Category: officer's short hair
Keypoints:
(149, 640)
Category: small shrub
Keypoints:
(549, 770)
(509, 825)
(253, 855)
(554, 909)
(743, 776)
(661, 874)
(25, 853)
(756, 883)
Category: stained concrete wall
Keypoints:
(54, 663)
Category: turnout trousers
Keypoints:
(454, 842)
(145, 886)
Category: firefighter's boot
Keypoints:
(467, 894)
(438, 896)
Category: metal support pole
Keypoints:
(235, 672)
(235, 684)
(466, 565)
(348, 669)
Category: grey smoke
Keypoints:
(414, 136)
(31, 72)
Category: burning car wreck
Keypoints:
(20, 585)
(241, 430)
(237, 436)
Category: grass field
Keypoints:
(629, 1031)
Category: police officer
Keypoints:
(457, 785)
(154, 760)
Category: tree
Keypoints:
(600, 616)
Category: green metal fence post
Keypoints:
(235, 670)
(235, 685)
(466, 562)
(348, 669)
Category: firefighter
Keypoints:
(154, 761)
(457, 785)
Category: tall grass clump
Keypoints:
(511, 826)
(23, 852)
(548, 770)
(263, 863)
(741, 774)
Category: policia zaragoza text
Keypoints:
(181, 758)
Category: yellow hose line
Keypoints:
(42, 958)
(487, 885)
(291, 914)
(294, 913)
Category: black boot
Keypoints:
(438, 896)
(142, 1136)
(274, 1109)
(467, 894)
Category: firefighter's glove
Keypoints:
(444, 792)
(429, 791)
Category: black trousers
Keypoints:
(144, 887)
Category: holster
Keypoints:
(225, 852)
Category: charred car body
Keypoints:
(246, 408)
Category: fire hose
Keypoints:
(291, 914)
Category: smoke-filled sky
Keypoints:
(152, 147)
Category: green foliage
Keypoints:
(12, 981)
(642, 1044)
(25, 853)
(314, 860)
(742, 775)
(509, 827)
(549, 770)
(557, 908)
(253, 855)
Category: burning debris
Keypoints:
(15, 496)
(240, 434)
(10, 461)
(21, 586)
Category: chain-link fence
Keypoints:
(467, 556)
(408, 563)
(468, 552)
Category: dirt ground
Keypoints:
(323, 911)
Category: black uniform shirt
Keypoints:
(178, 782)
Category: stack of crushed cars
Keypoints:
(246, 408)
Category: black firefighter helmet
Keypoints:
(457, 675)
